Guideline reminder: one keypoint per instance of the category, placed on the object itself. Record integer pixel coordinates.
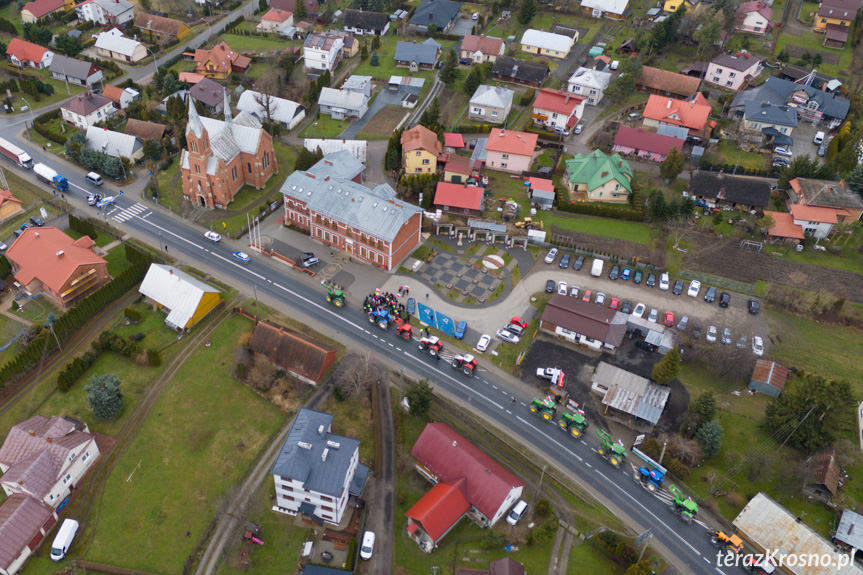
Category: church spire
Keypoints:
(194, 120)
(229, 119)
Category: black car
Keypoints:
(651, 279)
(710, 296)
(696, 330)
(579, 263)
(564, 261)
(26, 225)
(648, 347)
(550, 286)
(753, 306)
(37, 221)
(724, 299)
(678, 287)
(627, 307)
(309, 259)
(614, 273)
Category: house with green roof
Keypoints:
(596, 177)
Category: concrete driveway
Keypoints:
(385, 98)
(463, 27)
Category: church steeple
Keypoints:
(194, 120)
(229, 119)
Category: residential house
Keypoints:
(24, 522)
(596, 177)
(837, 196)
(275, 21)
(364, 23)
(421, 150)
(466, 483)
(458, 199)
(457, 169)
(10, 206)
(491, 104)
(361, 84)
(350, 46)
(369, 224)
(812, 105)
(300, 355)
(763, 122)
(32, 11)
(644, 145)
(341, 104)
(453, 143)
(628, 398)
(546, 43)
(26, 54)
(768, 377)
(219, 62)
(47, 262)
(114, 144)
(510, 151)
(813, 220)
(479, 49)
(805, 75)
(270, 108)
(312, 6)
(822, 476)
(755, 16)
(114, 46)
(589, 83)
(406, 84)
(691, 113)
(582, 323)
(144, 130)
(74, 71)
(835, 18)
(541, 193)
(658, 81)
(441, 13)
(733, 71)
(106, 12)
(46, 458)
(417, 56)
(121, 97)
(160, 28)
(212, 95)
(87, 109)
(611, 9)
(522, 72)
(222, 157)
(783, 228)
(317, 471)
(184, 299)
(849, 532)
(357, 148)
(671, 6)
(322, 52)
(557, 110)
(717, 190)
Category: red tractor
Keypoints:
(404, 329)
(431, 345)
(466, 363)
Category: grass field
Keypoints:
(586, 558)
(37, 310)
(116, 259)
(203, 433)
(811, 42)
(325, 127)
(385, 121)
(101, 239)
(606, 227)
(245, 43)
(729, 153)
(9, 328)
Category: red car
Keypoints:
(519, 322)
(669, 319)
(615, 303)
(587, 295)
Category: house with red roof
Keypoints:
(836, 196)
(457, 169)
(453, 142)
(24, 522)
(9, 205)
(467, 483)
(32, 11)
(458, 199)
(644, 145)
(558, 110)
(275, 21)
(48, 262)
(479, 49)
(755, 17)
(691, 113)
(541, 193)
(815, 220)
(23, 54)
(510, 151)
(783, 227)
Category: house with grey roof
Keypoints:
(74, 71)
(369, 224)
(417, 56)
(812, 105)
(765, 122)
(491, 104)
(114, 144)
(341, 104)
(441, 13)
(316, 471)
(590, 84)
(210, 94)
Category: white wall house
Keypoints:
(322, 52)
(285, 112)
(589, 83)
(106, 12)
(87, 109)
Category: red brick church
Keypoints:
(222, 157)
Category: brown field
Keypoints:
(384, 123)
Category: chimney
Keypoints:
(620, 163)
(49, 440)
(668, 105)
(170, 272)
(32, 433)
(60, 253)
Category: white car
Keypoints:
(552, 253)
(711, 334)
(600, 299)
(664, 281)
(507, 336)
(694, 288)
(3, 249)
(783, 152)
(653, 315)
(483, 342)
(475, 16)
(639, 310)
(213, 236)
(368, 545)
(758, 345)
(561, 288)
(107, 201)
(573, 291)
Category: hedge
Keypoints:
(107, 341)
(592, 209)
(527, 97)
(5, 267)
(53, 136)
(83, 227)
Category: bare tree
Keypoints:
(299, 85)
(267, 91)
(262, 376)
(358, 373)
(724, 360)
(676, 229)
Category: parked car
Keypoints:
(579, 128)
(551, 255)
(694, 288)
(753, 306)
(742, 342)
(412, 305)
(579, 263)
(37, 221)
(507, 336)
(724, 299)
(625, 274)
(483, 342)
(587, 295)
(758, 345)
(626, 307)
(564, 261)
(636, 277)
(573, 291)
(633, 116)
(309, 259)
(664, 281)
(26, 225)
(783, 152)
(213, 236)
(710, 296)
(561, 288)
(460, 330)
(518, 322)
(651, 279)
(515, 329)
(94, 178)
(3, 247)
(614, 273)
(517, 512)
(684, 321)
(648, 347)
(615, 303)
(696, 330)
(549, 286)
(678, 287)
(781, 163)
(669, 319)
(711, 334)
(600, 299)
(726, 336)
(653, 315)
(242, 256)
(639, 310)
(368, 545)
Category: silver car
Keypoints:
(507, 336)
(684, 321)
(600, 299)
(711, 334)
(726, 336)
(654, 314)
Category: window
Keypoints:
(757, 28)
(419, 153)
(729, 83)
(266, 160)
(503, 165)
(234, 173)
(86, 457)
(732, 75)
(250, 167)
(493, 114)
(72, 456)
(505, 156)
(67, 479)
(197, 169)
(716, 79)
(719, 70)
(194, 146)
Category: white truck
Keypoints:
(596, 270)
(547, 372)
(15, 154)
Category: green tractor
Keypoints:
(336, 296)
(683, 506)
(545, 408)
(574, 423)
(611, 451)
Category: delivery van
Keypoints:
(596, 270)
(63, 540)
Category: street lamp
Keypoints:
(314, 129)
(32, 118)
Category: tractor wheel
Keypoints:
(382, 324)
(432, 352)
(340, 303)
(372, 319)
(651, 486)
(686, 517)
(615, 461)
(467, 371)
(601, 451)
(575, 431)
(546, 415)
(562, 424)
(533, 409)
(329, 299)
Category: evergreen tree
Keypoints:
(672, 165)
(449, 71)
(419, 398)
(667, 368)
(703, 408)
(855, 179)
(709, 438)
(300, 11)
(527, 11)
(431, 116)
(375, 61)
(473, 81)
(152, 148)
(104, 396)
(658, 206)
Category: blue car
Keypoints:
(242, 256)
(412, 305)
(626, 273)
(460, 330)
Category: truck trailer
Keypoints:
(50, 176)
(15, 154)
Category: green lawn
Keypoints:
(201, 437)
(37, 310)
(352, 420)
(586, 558)
(170, 188)
(606, 227)
(326, 127)
(117, 262)
(101, 240)
(812, 42)
(9, 328)
(729, 154)
(244, 43)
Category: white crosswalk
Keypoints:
(124, 214)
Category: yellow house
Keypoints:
(9, 205)
(32, 11)
(837, 13)
(671, 6)
(547, 43)
(185, 299)
(421, 150)
(351, 47)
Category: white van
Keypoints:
(517, 512)
(596, 270)
(819, 138)
(93, 178)
(63, 540)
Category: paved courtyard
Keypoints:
(453, 273)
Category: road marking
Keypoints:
(508, 411)
(706, 560)
(391, 345)
(494, 386)
(590, 466)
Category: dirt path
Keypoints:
(381, 518)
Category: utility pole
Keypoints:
(538, 487)
(257, 307)
(661, 455)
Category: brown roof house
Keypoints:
(822, 477)
(24, 522)
(144, 130)
(211, 95)
(505, 566)
(583, 323)
(161, 29)
(658, 81)
(827, 194)
(9, 205)
(298, 354)
(768, 378)
(220, 62)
